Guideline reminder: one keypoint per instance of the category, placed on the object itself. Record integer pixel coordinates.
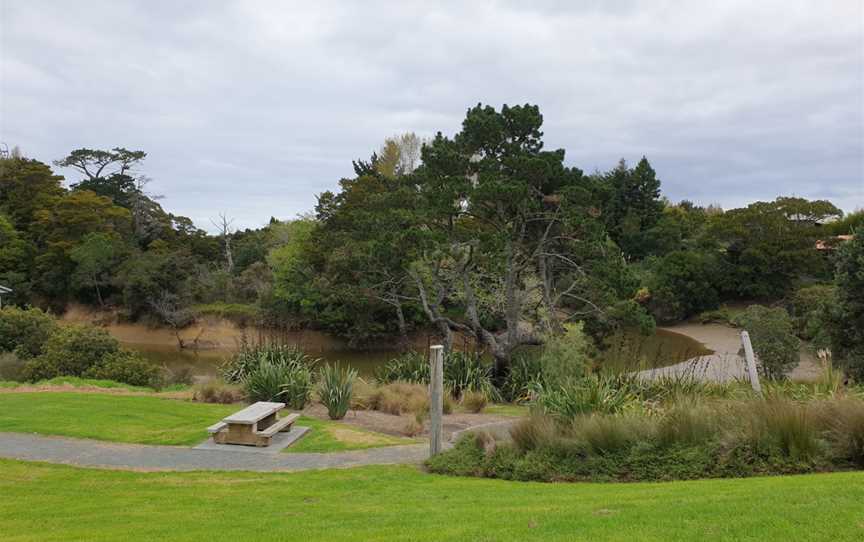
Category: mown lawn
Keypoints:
(52, 502)
(153, 420)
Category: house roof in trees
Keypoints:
(5, 290)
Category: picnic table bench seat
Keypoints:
(254, 425)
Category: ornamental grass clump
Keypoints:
(692, 438)
(335, 389)
(596, 393)
(468, 372)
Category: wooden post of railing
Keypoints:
(436, 398)
(751, 362)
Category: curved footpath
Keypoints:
(724, 364)
(112, 455)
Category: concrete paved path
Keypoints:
(93, 453)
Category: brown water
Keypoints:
(627, 351)
(220, 339)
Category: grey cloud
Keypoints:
(254, 107)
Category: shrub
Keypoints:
(249, 358)
(71, 351)
(773, 341)
(401, 397)
(693, 439)
(473, 401)
(364, 395)
(412, 427)
(288, 383)
(335, 387)
(844, 420)
(407, 367)
(565, 357)
(594, 393)
(463, 371)
(847, 320)
(297, 385)
(406, 398)
(25, 331)
(127, 367)
(217, 391)
(809, 308)
(682, 284)
(468, 372)
(523, 376)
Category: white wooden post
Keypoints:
(436, 398)
(751, 362)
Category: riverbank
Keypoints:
(724, 363)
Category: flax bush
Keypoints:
(335, 389)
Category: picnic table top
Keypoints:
(254, 413)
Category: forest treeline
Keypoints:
(485, 232)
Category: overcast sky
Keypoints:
(253, 108)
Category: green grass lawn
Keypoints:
(154, 420)
(52, 502)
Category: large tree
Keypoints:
(847, 336)
(768, 246)
(497, 216)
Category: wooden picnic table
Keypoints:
(255, 425)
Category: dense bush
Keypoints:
(810, 308)
(290, 383)
(523, 375)
(335, 389)
(127, 367)
(409, 366)
(272, 372)
(248, 358)
(468, 372)
(25, 331)
(773, 339)
(463, 371)
(90, 352)
(683, 284)
(847, 329)
(71, 351)
(690, 440)
(594, 393)
(565, 357)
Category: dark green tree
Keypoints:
(847, 330)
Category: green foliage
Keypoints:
(410, 366)
(768, 245)
(249, 357)
(127, 367)
(523, 376)
(469, 372)
(71, 351)
(25, 331)
(565, 357)
(810, 308)
(594, 393)
(682, 284)
(773, 339)
(691, 439)
(335, 385)
(272, 372)
(463, 372)
(847, 329)
(633, 206)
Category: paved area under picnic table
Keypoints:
(93, 453)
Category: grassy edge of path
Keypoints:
(55, 502)
(141, 419)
